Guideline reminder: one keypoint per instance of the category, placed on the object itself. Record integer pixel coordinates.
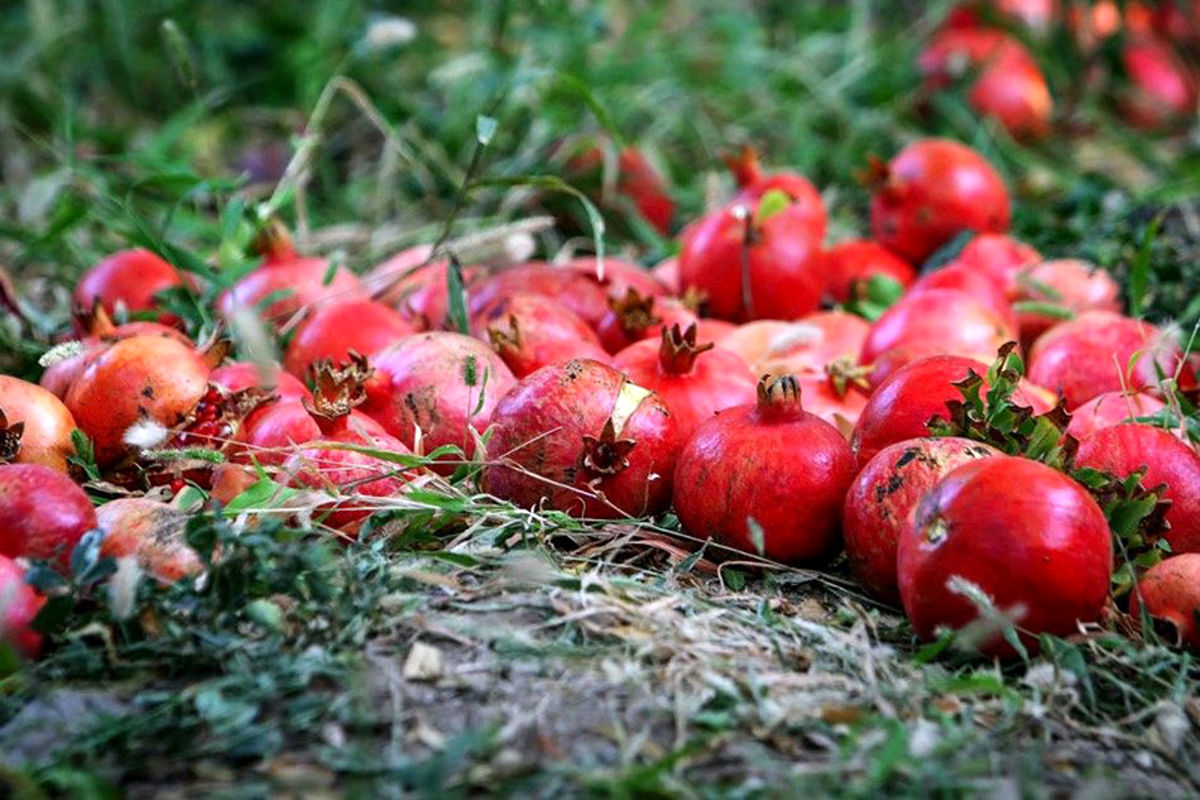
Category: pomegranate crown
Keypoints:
(744, 165)
(273, 242)
(337, 388)
(779, 395)
(635, 312)
(678, 352)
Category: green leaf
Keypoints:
(1139, 268)
(556, 184)
(1048, 309)
(757, 535)
(457, 297)
(771, 203)
(485, 129)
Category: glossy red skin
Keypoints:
(711, 330)
(615, 337)
(881, 501)
(1170, 590)
(43, 513)
(718, 380)
(999, 257)
(1075, 285)
(805, 346)
(550, 333)
(902, 405)
(20, 605)
(569, 287)
(934, 189)
(1162, 90)
(129, 279)
(950, 320)
(141, 378)
(46, 439)
(1111, 408)
(153, 533)
(59, 376)
(336, 328)
(1123, 449)
(540, 425)
(1025, 534)
(789, 471)
(270, 434)
(421, 382)
(784, 264)
(241, 375)
(849, 267)
(666, 272)
(298, 282)
(619, 276)
(1088, 355)
(964, 279)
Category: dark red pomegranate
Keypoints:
(35, 426)
(582, 438)
(43, 513)
(694, 380)
(1161, 89)
(881, 501)
(960, 277)
(335, 329)
(1091, 354)
(771, 472)
(127, 281)
(753, 183)
(849, 267)
(946, 321)
(635, 317)
(572, 288)
(271, 433)
(440, 384)
(1016, 532)
(1111, 408)
(932, 190)
(241, 375)
(151, 532)
(1072, 285)
(1124, 449)
(999, 257)
(805, 346)
(530, 331)
(1170, 591)
(19, 605)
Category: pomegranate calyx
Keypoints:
(606, 454)
(875, 174)
(694, 299)
(273, 242)
(844, 372)
(745, 166)
(10, 439)
(635, 312)
(94, 321)
(213, 353)
(337, 388)
(678, 353)
(506, 340)
(779, 396)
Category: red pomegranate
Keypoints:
(1170, 591)
(529, 331)
(932, 190)
(127, 281)
(805, 346)
(1072, 285)
(694, 380)
(572, 288)
(1111, 408)
(272, 433)
(635, 317)
(1091, 354)
(43, 513)
(962, 278)
(710, 330)
(838, 395)
(881, 501)
(1161, 89)
(644, 185)
(335, 329)
(35, 426)
(1124, 449)
(753, 183)
(947, 321)
(787, 488)
(151, 532)
(581, 438)
(849, 267)
(666, 272)
(1017, 532)
(616, 276)
(1000, 257)
(19, 605)
(439, 384)
(241, 375)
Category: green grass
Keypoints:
(575, 658)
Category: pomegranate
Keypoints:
(666, 272)
(1072, 285)
(1090, 355)
(241, 375)
(964, 279)
(880, 503)
(809, 210)
(838, 395)
(770, 472)
(335, 329)
(1021, 534)
(1000, 257)
(435, 386)
(616, 276)
(849, 267)
(35, 426)
(581, 438)
(1111, 408)
(643, 184)
(932, 190)
(1170, 591)
(1162, 90)
(710, 330)
(572, 288)
(530, 331)
(694, 380)
(151, 532)
(1124, 449)
(147, 380)
(270, 434)
(127, 281)
(939, 321)
(43, 514)
(636, 317)
(805, 346)
(19, 605)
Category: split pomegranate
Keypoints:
(932, 190)
(1000, 257)
(805, 346)
(1091, 354)
(151, 532)
(582, 438)
(636, 317)
(694, 380)
(241, 375)
(35, 426)
(880, 503)
(530, 331)
(1124, 449)
(127, 281)
(1074, 286)
(849, 267)
(947, 321)
(1170, 591)
(768, 478)
(1162, 90)
(1023, 535)
(436, 386)
(43, 514)
(19, 605)
(753, 183)
(335, 329)
(1111, 408)
(579, 292)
